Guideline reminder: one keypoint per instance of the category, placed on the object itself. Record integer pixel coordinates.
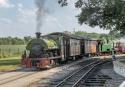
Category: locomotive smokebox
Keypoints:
(38, 34)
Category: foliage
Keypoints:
(11, 41)
(105, 37)
(51, 44)
(12, 46)
(107, 14)
(27, 39)
(14, 41)
(89, 35)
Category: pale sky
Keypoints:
(18, 18)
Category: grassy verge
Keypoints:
(11, 50)
(7, 64)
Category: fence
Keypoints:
(11, 50)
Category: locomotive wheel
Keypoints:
(52, 62)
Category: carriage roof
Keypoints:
(65, 35)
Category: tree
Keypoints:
(27, 39)
(105, 37)
(107, 14)
(11, 41)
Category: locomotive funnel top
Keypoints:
(38, 34)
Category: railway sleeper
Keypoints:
(72, 80)
(101, 78)
(104, 78)
(96, 81)
(69, 83)
(66, 86)
(78, 75)
(93, 84)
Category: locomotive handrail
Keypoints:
(57, 57)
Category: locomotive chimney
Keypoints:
(38, 34)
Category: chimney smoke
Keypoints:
(40, 14)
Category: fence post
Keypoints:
(0, 54)
(18, 51)
(9, 51)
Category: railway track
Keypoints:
(83, 81)
(98, 78)
(75, 79)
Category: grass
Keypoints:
(7, 64)
(11, 50)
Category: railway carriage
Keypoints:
(120, 48)
(91, 47)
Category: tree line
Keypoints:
(104, 37)
(25, 40)
(14, 40)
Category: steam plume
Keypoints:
(40, 13)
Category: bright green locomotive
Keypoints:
(105, 48)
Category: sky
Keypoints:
(18, 18)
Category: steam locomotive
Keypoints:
(55, 48)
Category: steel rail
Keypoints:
(64, 80)
(84, 75)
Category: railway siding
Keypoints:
(102, 76)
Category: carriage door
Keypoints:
(67, 47)
(64, 48)
(62, 51)
(82, 46)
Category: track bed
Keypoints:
(100, 76)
